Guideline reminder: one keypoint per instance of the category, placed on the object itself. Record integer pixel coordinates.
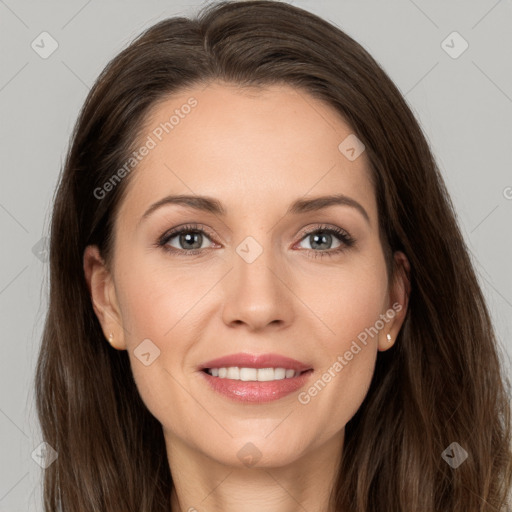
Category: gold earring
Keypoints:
(110, 338)
(388, 336)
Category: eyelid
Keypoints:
(345, 238)
(171, 233)
(324, 227)
(200, 227)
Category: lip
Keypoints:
(255, 391)
(245, 360)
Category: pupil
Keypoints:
(322, 237)
(189, 238)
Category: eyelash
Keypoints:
(346, 240)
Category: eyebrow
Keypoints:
(212, 205)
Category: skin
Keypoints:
(256, 151)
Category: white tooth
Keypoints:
(233, 372)
(279, 373)
(253, 374)
(265, 374)
(248, 374)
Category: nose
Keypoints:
(257, 295)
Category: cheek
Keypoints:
(348, 300)
(157, 319)
(157, 304)
(154, 298)
(358, 311)
(351, 306)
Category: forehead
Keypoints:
(256, 149)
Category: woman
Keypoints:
(250, 214)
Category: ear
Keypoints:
(103, 296)
(399, 292)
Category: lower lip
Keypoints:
(255, 391)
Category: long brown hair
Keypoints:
(442, 381)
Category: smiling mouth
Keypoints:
(254, 374)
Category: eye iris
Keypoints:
(189, 238)
(320, 245)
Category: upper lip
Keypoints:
(245, 360)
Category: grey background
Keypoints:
(464, 105)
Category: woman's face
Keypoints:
(263, 278)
